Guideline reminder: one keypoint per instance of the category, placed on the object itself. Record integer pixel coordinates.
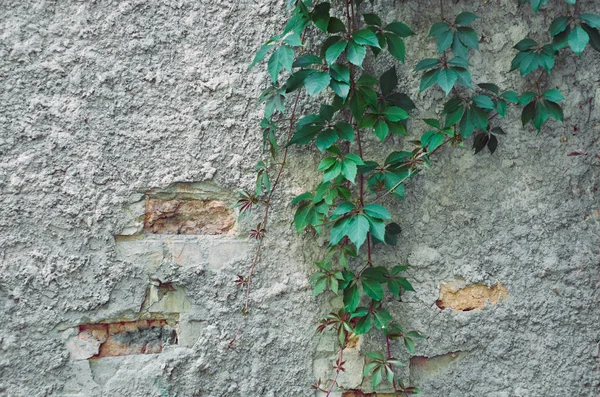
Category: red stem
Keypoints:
(337, 372)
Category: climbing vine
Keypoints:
(348, 206)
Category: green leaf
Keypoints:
(342, 209)
(340, 73)
(334, 51)
(293, 39)
(388, 81)
(554, 110)
(357, 230)
(370, 367)
(559, 25)
(332, 172)
(364, 325)
(372, 19)
(460, 62)
(382, 318)
(341, 89)
(490, 87)
(399, 29)
(427, 63)
(592, 20)
(446, 79)
(351, 298)
(282, 58)
(468, 37)
(381, 129)
(479, 118)
(355, 158)
(540, 115)
(526, 97)
(431, 140)
(529, 64)
(326, 138)
(320, 286)
(320, 16)
(483, 101)
(454, 117)
(525, 44)
(261, 54)
(501, 107)
(561, 40)
(594, 36)
(302, 197)
(376, 273)
(377, 228)
(396, 46)
(368, 121)
(439, 28)
(373, 289)
(464, 77)
(394, 113)
(376, 377)
(458, 48)
(444, 41)
(410, 345)
(377, 356)
(326, 163)
(355, 53)
(338, 231)
(306, 60)
(465, 18)
(345, 131)
(365, 37)
(401, 100)
(553, 95)
(336, 26)
(316, 82)
(527, 113)
(510, 96)
(377, 211)
(349, 170)
(578, 39)
(429, 78)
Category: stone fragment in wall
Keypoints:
(458, 296)
(188, 216)
(423, 368)
(171, 299)
(83, 346)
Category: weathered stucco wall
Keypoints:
(124, 122)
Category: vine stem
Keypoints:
(268, 202)
(387, 344)
(442, 9)
(337, 372)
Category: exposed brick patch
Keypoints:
(458, 297)
(122, 339)
(187, 216)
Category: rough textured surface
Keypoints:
(104, 101)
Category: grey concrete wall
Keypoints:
(107, 103)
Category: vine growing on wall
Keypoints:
(349, 205)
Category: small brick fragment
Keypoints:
(458, 297)
(188, 216)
